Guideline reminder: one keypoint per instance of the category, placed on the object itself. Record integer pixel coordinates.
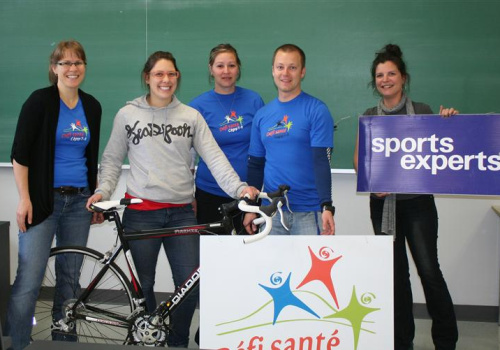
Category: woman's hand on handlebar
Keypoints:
(97, 197)
(97, 218)
(251, 191)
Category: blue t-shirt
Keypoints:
(229, 117)
(283, 133)
(72, 138)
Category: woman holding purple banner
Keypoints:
(410, 218)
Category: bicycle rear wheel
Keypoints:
(69, 272)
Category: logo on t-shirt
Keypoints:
(280, 129)
(76, 132)
(231, 123)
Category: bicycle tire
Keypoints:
(113, 293)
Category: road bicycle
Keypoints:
(92, 300)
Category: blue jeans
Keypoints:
(300, 223)
(417, 224)
(183, 253)
(69, 223)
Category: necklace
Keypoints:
(226, 115)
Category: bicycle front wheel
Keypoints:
(100, 318)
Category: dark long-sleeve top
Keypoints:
(34, 145)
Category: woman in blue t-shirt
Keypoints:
(54, 157)
(228, 110)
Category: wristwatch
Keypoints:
(329, 207)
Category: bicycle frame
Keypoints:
(166, 307)
(139, 322)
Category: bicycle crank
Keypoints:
(147, 334)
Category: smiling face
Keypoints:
(225, 71)
(70, 71)
(162, 81)
(288, 72)
(389, 82)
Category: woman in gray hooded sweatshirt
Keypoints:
(156, 132)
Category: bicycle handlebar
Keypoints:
(280, 192)
(266, 212)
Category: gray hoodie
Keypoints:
(157, 142)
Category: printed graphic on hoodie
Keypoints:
(280, 129)
(231, 123)
(167, 131)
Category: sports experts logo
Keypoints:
(434, 154)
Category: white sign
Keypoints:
(296, 293)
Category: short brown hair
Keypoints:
(291, 48)
(58, 53)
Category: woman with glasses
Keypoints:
(54, 157)
(156, 132)
(228, 110)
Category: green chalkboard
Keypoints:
(452, 49)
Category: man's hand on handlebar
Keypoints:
(248, 224)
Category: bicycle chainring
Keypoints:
(146, 334)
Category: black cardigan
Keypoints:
(34, 145)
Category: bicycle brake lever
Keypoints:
(283, 220)
(287, 203)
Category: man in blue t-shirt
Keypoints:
(291, 142)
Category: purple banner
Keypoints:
(430, 154)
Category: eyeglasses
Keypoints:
(161, 75)
(68, 64)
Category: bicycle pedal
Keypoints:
(60, 326)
